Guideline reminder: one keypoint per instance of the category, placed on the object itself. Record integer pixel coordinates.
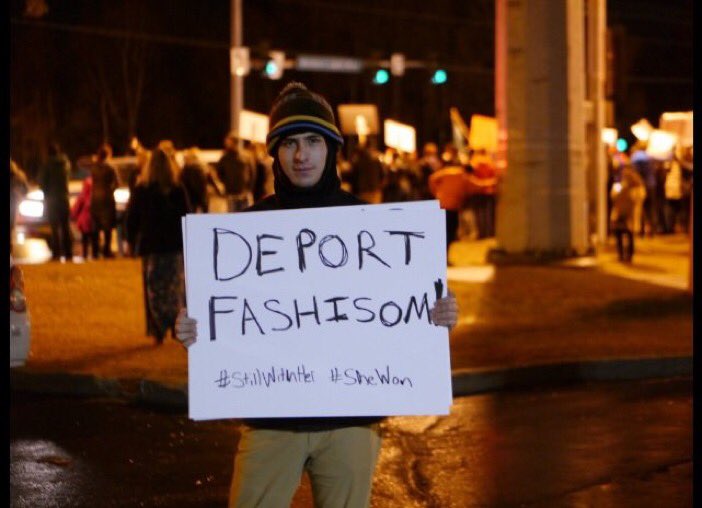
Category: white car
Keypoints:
(19, 318)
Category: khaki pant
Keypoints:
(269, 465)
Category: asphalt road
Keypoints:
(600, 444)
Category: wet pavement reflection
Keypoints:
(600, 444)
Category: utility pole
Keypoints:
(596, 74)
(236, 84)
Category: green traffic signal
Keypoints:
(271, 68)
(440, 77)
(381, 77)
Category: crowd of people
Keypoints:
(465, 183)
(647, 196)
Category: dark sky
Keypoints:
(80, 64)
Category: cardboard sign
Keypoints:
(400, 136)
(253, 126)
(358, 117)
(317, 312)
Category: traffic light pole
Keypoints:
(236, 86)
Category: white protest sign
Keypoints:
(317, 312)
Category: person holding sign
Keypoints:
(339, 453)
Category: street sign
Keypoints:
(397, 64)
(327, 63)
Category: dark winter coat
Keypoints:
(194, 179)
(327, 192)
(154, 219)
(235, 171)
(53, 180)
(102, 201)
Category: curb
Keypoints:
(471, 381)
(464, 381)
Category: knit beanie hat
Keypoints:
(297, 109)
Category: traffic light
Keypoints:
(439, 77)
(274, 65)
(381, 77)
(239, 61)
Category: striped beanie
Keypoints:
(296, 109)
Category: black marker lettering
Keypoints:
(344, 252)
(244, 318)
(372, 314)
(213, 311)
(217, 232)
(311, 237)
(281, 313)
(418, 310)
(408, 247)
(382, 315)
(337, 317)
(362, 249)
(262, 253)
(314, 312)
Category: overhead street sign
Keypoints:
(325, 63)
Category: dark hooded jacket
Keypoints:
(327, 192)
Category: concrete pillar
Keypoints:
(542, 207)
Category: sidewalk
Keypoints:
(585, 319)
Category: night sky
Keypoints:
(90, 69)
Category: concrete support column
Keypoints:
(542, 208)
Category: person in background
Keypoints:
(627, 198)
(235, 170)
(80, 213)
(19, 186)
(686, 163)
(428, 164)
(449, 156)
(367, 175)
(194, 178)
(103, 208)
(263, 184)
(451, 187)
(484, 176)
(53, 180)
(644, 166)
(339, 454)
(399, 183)
(615, 163)
(154, 233)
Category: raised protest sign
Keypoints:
(317, 312)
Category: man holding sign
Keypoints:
(339, 453)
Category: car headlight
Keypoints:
(36, 195)
(31, 208)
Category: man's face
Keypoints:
(302, 158)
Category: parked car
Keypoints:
(19, 318)
(31, 221)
